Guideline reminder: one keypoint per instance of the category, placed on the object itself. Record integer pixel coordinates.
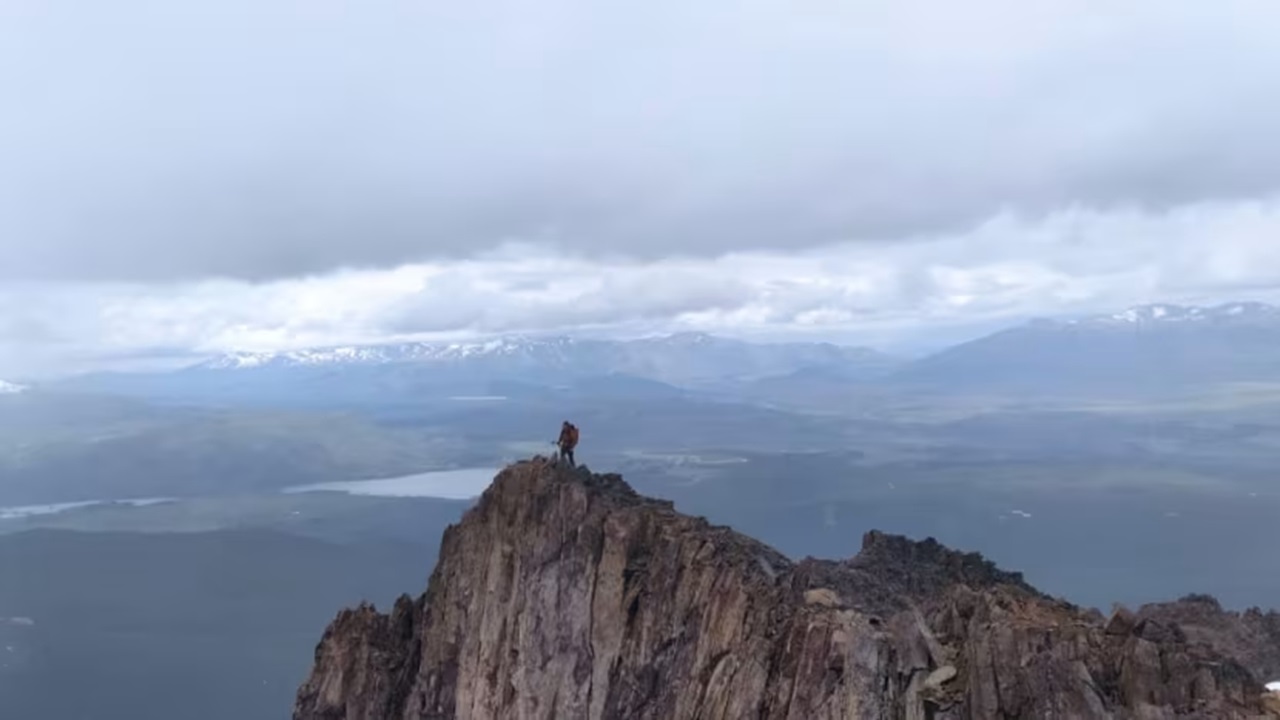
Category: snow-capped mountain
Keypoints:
(8, 388)
(514, 366)
(675, 358)
(1240, 312)
(1148, 347)
(416, 352)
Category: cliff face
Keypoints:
(565, 595)
(1252, 637)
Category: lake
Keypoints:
(25, 511)
(461, 484)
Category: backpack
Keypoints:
(573, 435)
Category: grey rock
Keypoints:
(565, 595)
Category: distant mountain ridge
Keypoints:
(1144, 349)
(682, 360)
(395, 373)
(611, 355)
(389, 353)
(1167, 314)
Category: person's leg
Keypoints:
(572, 462)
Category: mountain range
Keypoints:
(1150, 348)
(1143, 350)
(1250, 313)
(505, 367)
(685, 358)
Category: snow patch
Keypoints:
(393, 353)
(1274, 686)
(1165, 313)
(1021, 513)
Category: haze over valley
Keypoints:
(278, 493)
(283, 287)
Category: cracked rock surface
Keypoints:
(564, 594)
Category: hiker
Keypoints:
(568, 441)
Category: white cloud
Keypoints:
(1004, 271)
(265, 139)
(357, 172)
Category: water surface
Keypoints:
(18, 512)
(461, 484)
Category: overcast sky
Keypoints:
(250, 174)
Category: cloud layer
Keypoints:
(901, 295)
(262, 140)
(180, 178)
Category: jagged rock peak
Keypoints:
(564, 594)
(928, 566)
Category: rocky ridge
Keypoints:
(564, 594)
(1252, 636)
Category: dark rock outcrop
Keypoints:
(564, 595)
(1252, 637)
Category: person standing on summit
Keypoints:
(568, 441)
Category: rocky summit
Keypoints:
(564, 594)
